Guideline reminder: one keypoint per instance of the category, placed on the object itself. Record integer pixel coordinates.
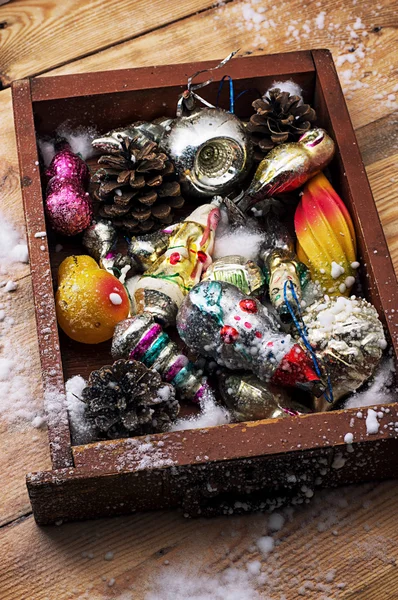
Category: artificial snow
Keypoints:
(288, 86)
(381, 389)
(243, 241)
(115, 298)
(211, 414)
(81, 429)
(348, 438)
(79, 140)
(10, 286)
(13, 248)
(265, 544)
(189, 584)
(276, 522)
(372, 424)
(336, 270)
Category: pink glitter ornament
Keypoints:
(68, 204)
(67, 165)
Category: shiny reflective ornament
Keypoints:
(141, 338)
(348, 336)
(238, 332)
(289, 166)
(144, 250)
(211, 150)
(162, 288)
(326, 240)
(285, 275)
(66, 165)
(250, 399)
(100, 241)
(89, 300)
(246, 275)
(68, 205)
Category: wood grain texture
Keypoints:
(340, 546)
(40, 35)
(48, 563)
(284, 28)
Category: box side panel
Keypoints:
(208, 489)
(87, 84)
(50, 357)
(380, 281)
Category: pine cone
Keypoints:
(278, 119)
(138, 187)
(126, 399)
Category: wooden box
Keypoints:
(224, 468)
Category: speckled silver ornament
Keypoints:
(349, 338)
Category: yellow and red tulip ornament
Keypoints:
(325, 237)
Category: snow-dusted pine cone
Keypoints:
(278, 118)
(127, 399)
(138, 187)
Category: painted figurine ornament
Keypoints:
(161, 289)
(238, 332)
(235, 311)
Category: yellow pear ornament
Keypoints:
(90, 301)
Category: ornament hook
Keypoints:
(188, 97)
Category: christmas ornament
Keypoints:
(281, 267)
(238, 332)
(162, 288)
(347, 335)
(211, 150)
(138, 187)
(288, 166)
(141, 338)
(279, 118)
(144, 250)
(66, 165)
(89, 301)
(126, 399)
(250, 399)
(326, 237)
(100, 242)
(209, 146)
(68, 205)
(244, 274)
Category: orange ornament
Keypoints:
(326, 237)
(90, 301)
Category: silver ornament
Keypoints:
(140, 338)
(348, 337)
(250, 399)
(100, 242)
(211, 151)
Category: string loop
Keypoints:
(302, 329)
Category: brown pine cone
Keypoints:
(138, 187)
(278, 119)
(127, 399)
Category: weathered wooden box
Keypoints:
(226, 467)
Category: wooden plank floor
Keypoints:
(343, 544)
